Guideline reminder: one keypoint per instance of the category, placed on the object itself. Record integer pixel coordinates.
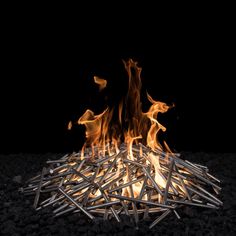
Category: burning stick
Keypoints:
(93, 189)
(76, 204)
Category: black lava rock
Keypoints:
(17, 217)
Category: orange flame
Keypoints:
(152, 140)
(137, 125)
(69, 126)
(101, 82)
(96, 128)
(133, 125)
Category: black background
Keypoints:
(49, 62)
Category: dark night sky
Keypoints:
(48, 71)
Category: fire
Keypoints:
(141, 127)
(96, 128)
(123, 167)
(102, 83)
(69, 126)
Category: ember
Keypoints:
(123, 168)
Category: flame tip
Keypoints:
(102, 83)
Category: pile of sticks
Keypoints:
(112, 185)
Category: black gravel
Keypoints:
(17, 216)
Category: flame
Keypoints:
(102, 83)
(123, 159)
(120, 112)
(96, 128)
(133, 126)
(69, 126)
(156, 127)
(129, 139)
(158, 176)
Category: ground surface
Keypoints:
(17, 217)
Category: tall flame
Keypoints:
(138, 126)
(152, 140)
(134, 126)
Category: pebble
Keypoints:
(17, 179)
(7, 204)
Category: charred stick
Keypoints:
(132, 195)
(141, 201)
(91, 187)
(134, 163)
(130, 212)
(143, 188)
(168, 181)
(216, 202)
(113, 181)
(62, 196)
(160, 218)
(56, 161)
(126, 211)
(213, 177)
(39, 189)
(191, 203)
(72, 208)
(177, 214)
(209, 194)
(90, 208)
(109, 168)
(127, 184)
(195, 167)
(185, 189)
(95, 199)
(102, 161)
(76, 204)
(62, 208)
(106, 214)
(183, 184)
(192, 171)
(153, 181)
(59, 175)
(67, 205)
(196, 200)
(199, 193)
(111, 203)
(147, 206)
(112, 209)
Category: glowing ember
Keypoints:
(126, 169)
